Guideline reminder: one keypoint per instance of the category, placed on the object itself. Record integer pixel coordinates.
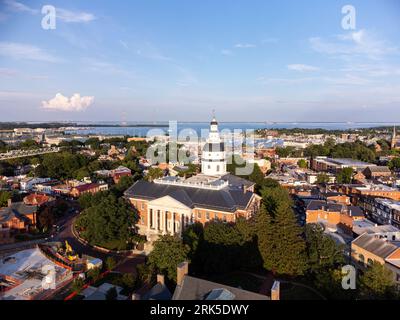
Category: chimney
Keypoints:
(161, 279)
(9, 202)
(275, 291)
(244, 188)
(181, 271)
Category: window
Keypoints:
(142, 205)
(208, 167)
(370, 262)
(198, 215)
(361, 258)
(207, 215)
(217, 168)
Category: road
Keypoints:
(66, 234)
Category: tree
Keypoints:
(168, 252)
(322, 178)
(94, 274)
(265, 238)
(302, 163)
(394, 164)
(112, 294)
(77, 285)
(108, 222)
(322, 251)
(154, 173)
(110, 263)
(377, 283)
(46, 219)
(289, 244)
(280, 239)
(345, 175)
(123, 184)
(4, 197)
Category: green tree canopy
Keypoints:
(168, 252)
(109, 223)
(345, 175)
(377, 283)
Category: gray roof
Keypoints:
(225, 199)
(378, 247)
(198, 289)
(327, 206)
(355, 211)
(378, 169)
(158, 292)
(18, 210)
(235, 181)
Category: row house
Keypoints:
(381, 211)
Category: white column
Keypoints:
(173, 223)
(156, 215)
(148, 218)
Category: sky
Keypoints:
(160, 60)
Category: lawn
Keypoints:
(291, 291)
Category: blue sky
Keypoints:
(177, 60)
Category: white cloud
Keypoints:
(360, 43)
(74, 16)
(20, 51)
(62, 103)
(245, 45)
(302, 67)
(226, 52)
(19, 7)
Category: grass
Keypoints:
(291, 291)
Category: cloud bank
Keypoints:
(61, 103)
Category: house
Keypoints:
(100, 293)
(333, 215)
(158, 292)
(375, 172)
(27, 184)
(15, 218)
(120, 172)
(36, 199)
(192, 288)
(368, 248)
(380, 210)
(336, 197)
(385, 231)
(92, 188)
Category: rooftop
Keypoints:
(373, 244)
(198, 289)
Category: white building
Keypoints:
(213, 162)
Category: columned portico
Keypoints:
(171, 221)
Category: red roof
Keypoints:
(86, 187)
(36, 199)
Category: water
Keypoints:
(198, 126)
